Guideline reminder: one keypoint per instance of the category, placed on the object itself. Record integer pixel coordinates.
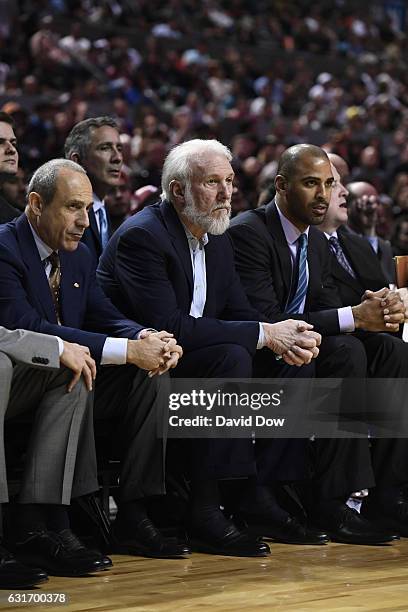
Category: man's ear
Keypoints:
(35, 203)
(75, 158)
(177, 191)
(280, 183)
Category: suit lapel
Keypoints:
(367, 268)
(313, 259)
(211, 264)
(341, 274)
(179, 240)
(274, 226)
(40, 289)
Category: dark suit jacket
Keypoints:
(7, 211)
(146, 270)
(25, 299)
(264, 264)
(384, 255)
(365, 263)
(92, 237)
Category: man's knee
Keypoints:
(342, 356)
(234, 361)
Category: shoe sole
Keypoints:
(52, 572)
(376, 543)
(263, 532)
(141, 552)
(202, 547)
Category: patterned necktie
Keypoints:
(103, 226)
(340, 256)
(54, 281)
(301, 289)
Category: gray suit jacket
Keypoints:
(33, 349)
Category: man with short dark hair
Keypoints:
(273, 262)
(95, 144)
(8, 164)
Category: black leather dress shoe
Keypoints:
(347, 526)
(147, 541)
(73, 544)
(14, 575)
(46, 549)
(392, 516)
(232, 542)
(290, 531)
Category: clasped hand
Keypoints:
(295, 341)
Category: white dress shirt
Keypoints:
(197, 254)
(114, 350)
(345, 314)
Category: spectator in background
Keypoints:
(95, 145)
(363, 207)
(369, 168)
(8, 165)
(118, 202)
(400, 238)
(13, 189)
(144, 196)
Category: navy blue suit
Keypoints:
(87, 314)
(123, 393)
(146, 270)
(92, 237)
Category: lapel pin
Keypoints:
(76, 285)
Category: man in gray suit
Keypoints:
(60, 457)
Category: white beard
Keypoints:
(205, 221)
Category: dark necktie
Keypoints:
(103, 226)
(54, 281)
(340, 256)
(301, 289)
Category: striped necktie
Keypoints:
(340, 256)
(54, 281)
(301, 289)
(103, 226)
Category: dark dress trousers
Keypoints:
(388, 354)
(122, 393)
(146, 270)
(264, 264)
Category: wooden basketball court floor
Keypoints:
(335, 577)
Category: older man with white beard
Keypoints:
(172, 265)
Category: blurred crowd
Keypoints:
(259, 75)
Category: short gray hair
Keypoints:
(44, 179)
(79, 138)
(178, 165)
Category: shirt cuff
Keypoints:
(114, 351)
(261, 338)
(346, 319)
(60, 345)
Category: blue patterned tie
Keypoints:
(103, 226)
(301, 289)
(340, 256)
